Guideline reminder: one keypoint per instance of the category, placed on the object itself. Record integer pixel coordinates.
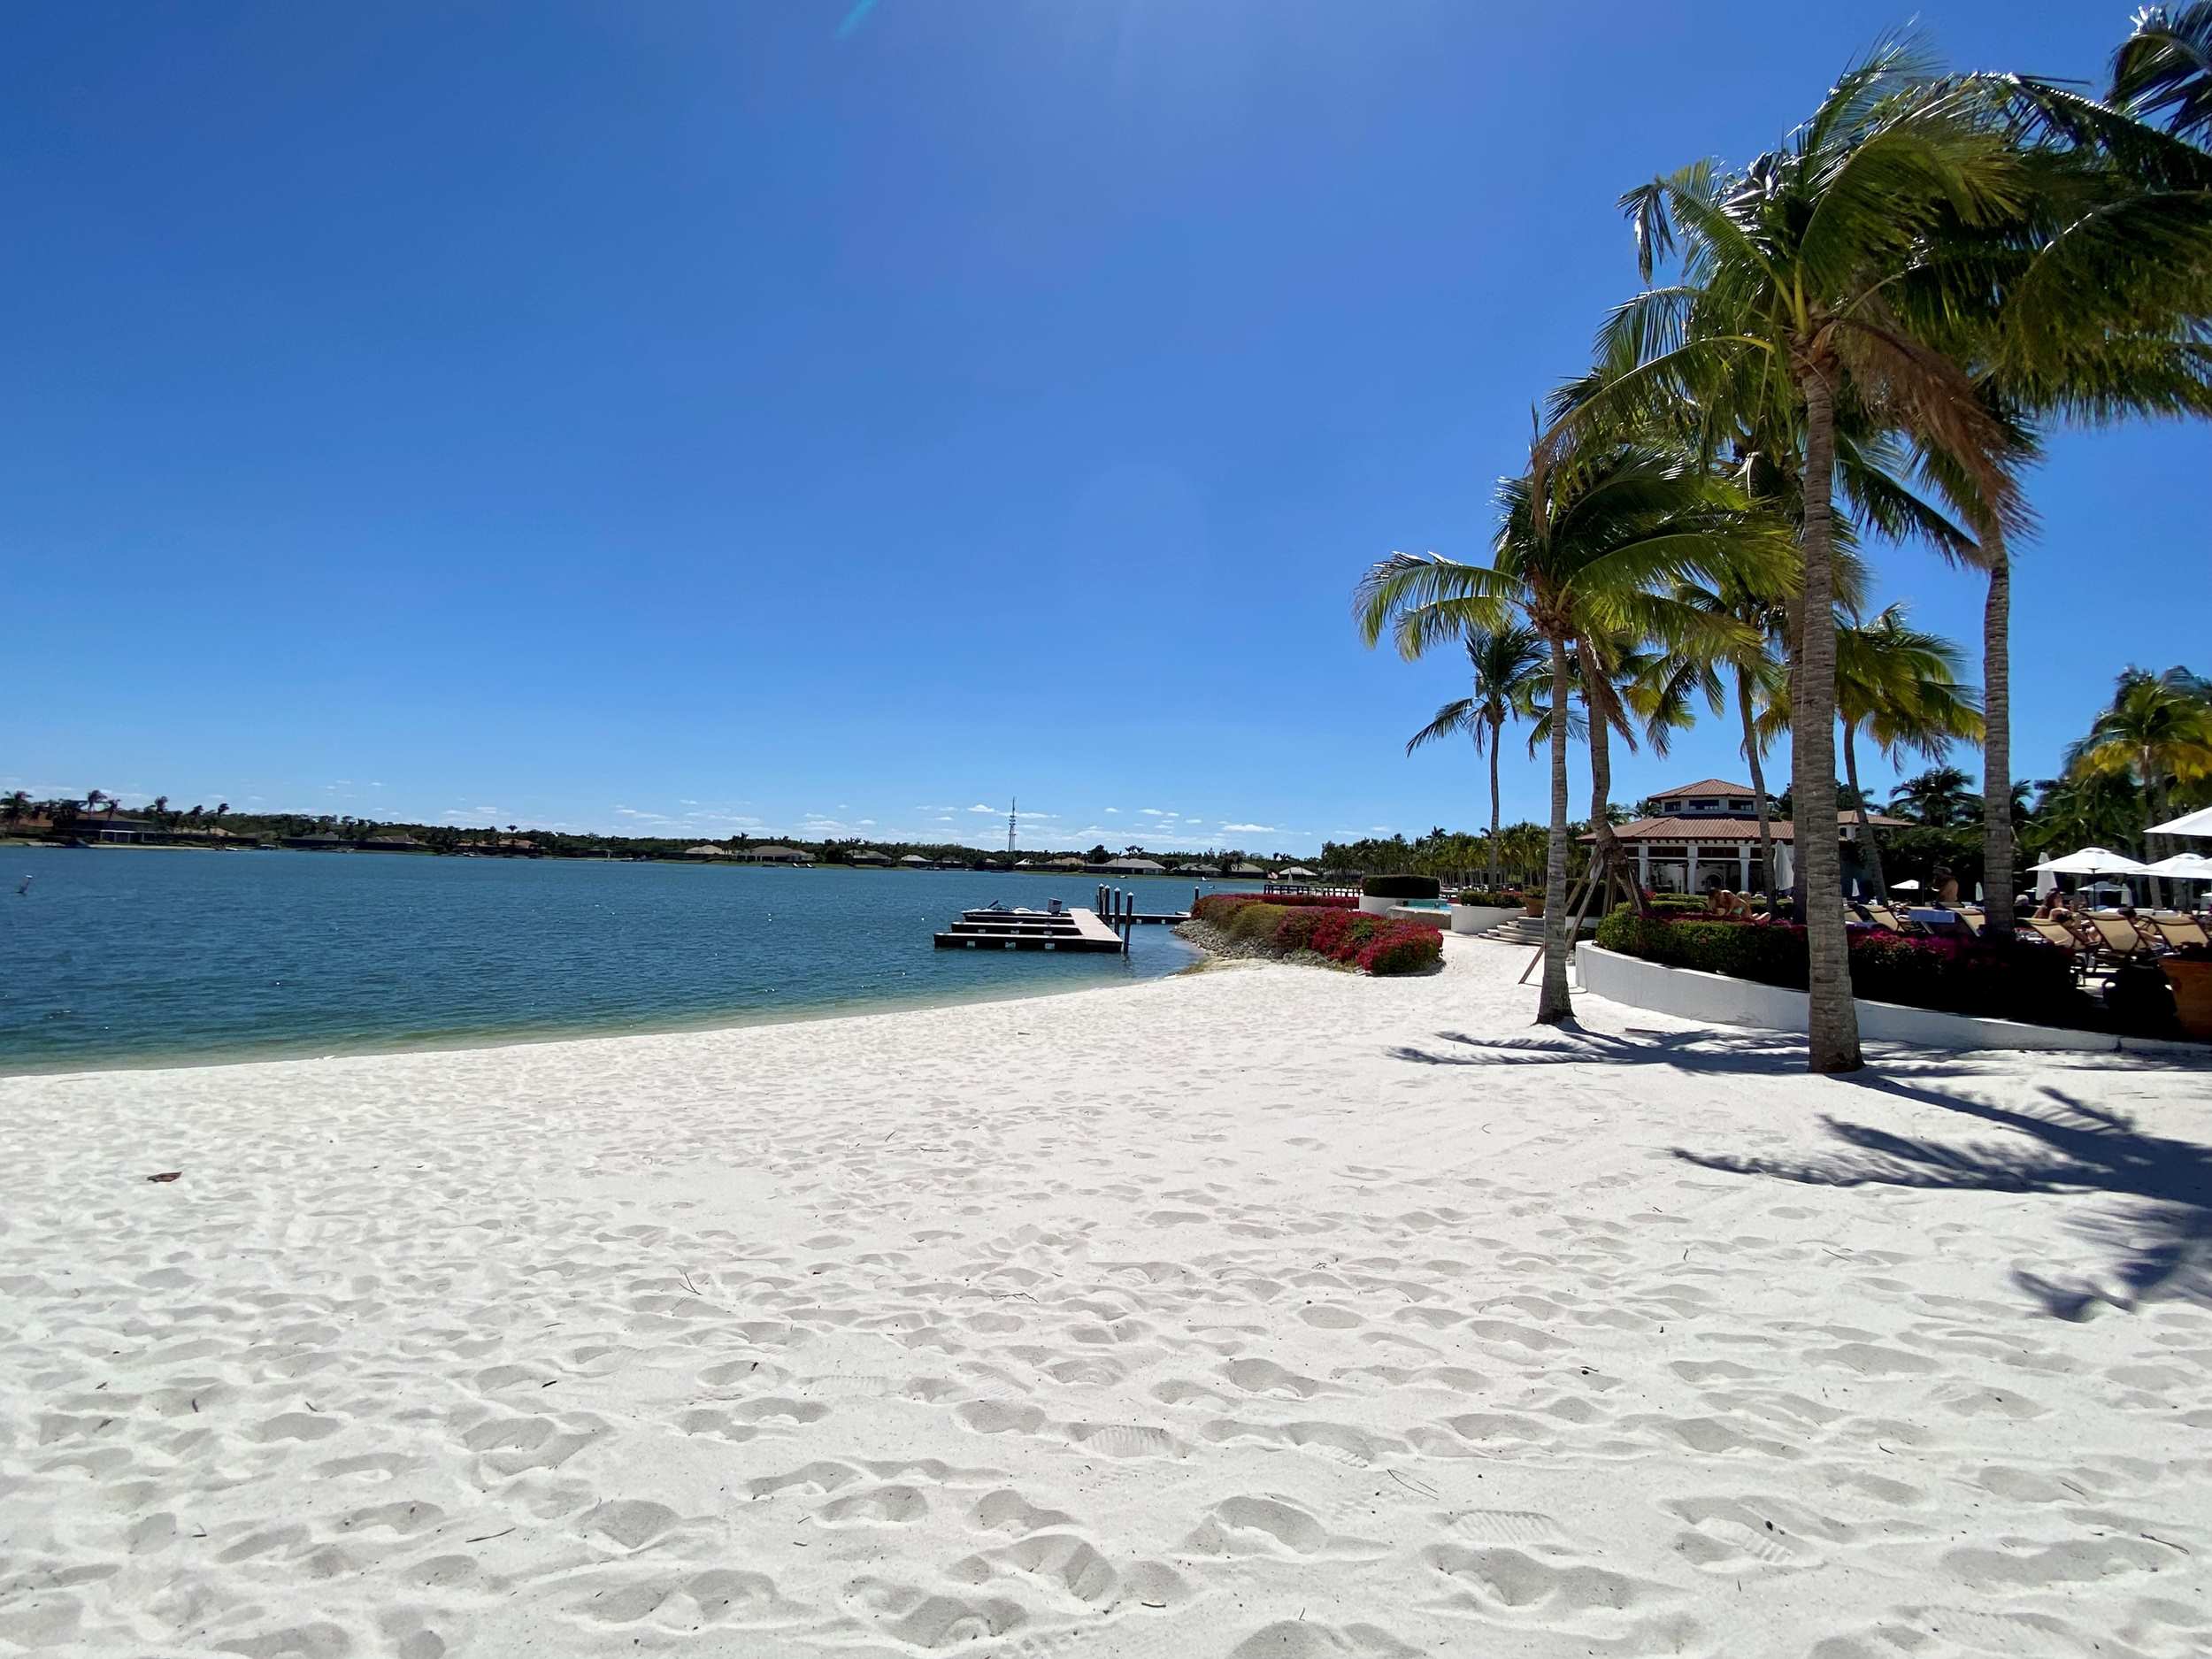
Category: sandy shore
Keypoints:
(1263, 1312)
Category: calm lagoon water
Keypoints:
(147, 955)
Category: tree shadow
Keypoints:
(1763, 1053)
(2158, 1245)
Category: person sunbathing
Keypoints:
(1731, 905)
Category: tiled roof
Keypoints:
(1718, 828)
(1704, 786)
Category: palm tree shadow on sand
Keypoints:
(2158, 1243)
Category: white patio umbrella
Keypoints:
(2187, 823)
(2092, 861)
(2188, 866)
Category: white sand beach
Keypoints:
(1264, 1312)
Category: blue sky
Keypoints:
(815, 420)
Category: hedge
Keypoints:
(1335, 931)
(1402, 887)
(1954, 976)
(1485, 895)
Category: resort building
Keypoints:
(866, 855)
(915, 860)
(705, 850)
(1295, 872)
(1133, 867)
(1706, 836)
(1246, 869)
(92, 828)
(771, 854)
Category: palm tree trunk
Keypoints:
(1605, 850)
(1552, 1004)
(1997, 842)
(1871, 848)
(1497, 737)
(1758, 792)
(1833, 1021)
(2157, 814)
(1794, 646)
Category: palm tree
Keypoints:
(2089, 310)
(2156, 732)
(1584, 548)
(1506, 665)
(16, 806)
(1943, 797)
(2164, 68)
(221, 806)
(1901, 685)
(1790, 313)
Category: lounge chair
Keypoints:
(2118, 939)
(1882, 915)
(2180, 931)
(2059, 936)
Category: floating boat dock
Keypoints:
(1031, 930)
(998, 928)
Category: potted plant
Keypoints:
(1379, 895)
(2189, 971)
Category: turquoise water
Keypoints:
(144, 956)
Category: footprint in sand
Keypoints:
(1309, 1639)
(1265, 1525)
(880, 1506)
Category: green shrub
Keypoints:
(1255, 922)
(1402, 887)
(1495, 897)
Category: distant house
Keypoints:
(1133, 867)
(1296, 873)
(1246, 869)
(93, 827)
(1196, 870)
(320, 841)
(914, 861)
(1064, 864)
(867, 855)
(771, 854)
(392, 844)
(705, 850)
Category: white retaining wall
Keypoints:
(1715, 999)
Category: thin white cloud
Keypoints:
(979, 807)
(1112, 812)
(1151, 811)
(1249, 829)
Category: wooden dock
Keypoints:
(1106, 928)
(1030, 930)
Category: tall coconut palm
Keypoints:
(16, 807)
(1788, 312)
(2088, 308)
(1900, 685)
(1507, 665)
(1943, 797)
(2164, 71)
(1585, 549)
(2157, 731)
